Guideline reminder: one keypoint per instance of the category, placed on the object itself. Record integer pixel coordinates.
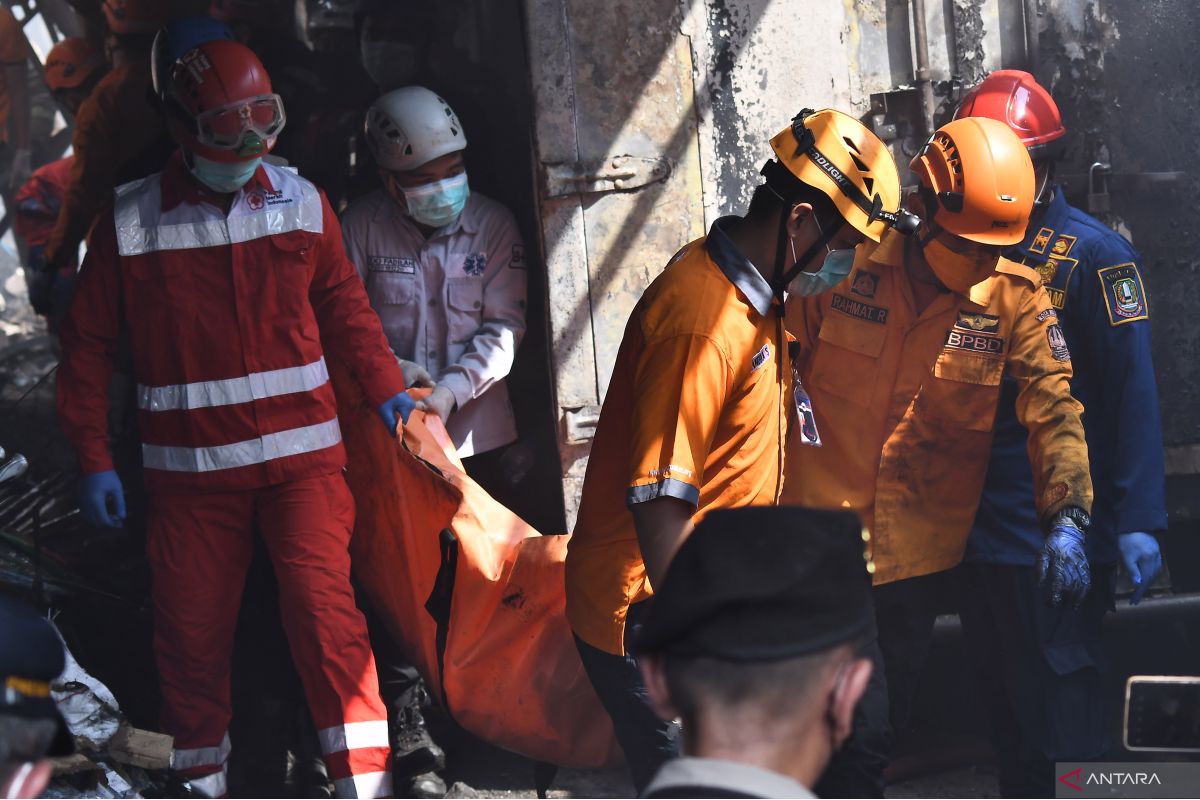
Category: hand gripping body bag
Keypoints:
(474, 596)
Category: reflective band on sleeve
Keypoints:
(370, 784)
(201, 756)
(667, 487)
(243, 454)
(210, 785)
(255, 386)
(354, 735)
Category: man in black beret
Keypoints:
(753, 643)
(31, 656)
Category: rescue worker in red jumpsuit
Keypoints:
(229, 277)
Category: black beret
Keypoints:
(31, 657)
(763, 583)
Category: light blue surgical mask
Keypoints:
(437, 204)
(221, 177)
(834, 269)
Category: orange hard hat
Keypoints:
(1015, 98)
(134, 16)
(979, 179)
(71, 63)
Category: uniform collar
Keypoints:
(737, 268)
(389, 211)
(178, 186)
(890, 252)
(745, 780)
(1042, 230)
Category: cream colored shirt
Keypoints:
(453, 303)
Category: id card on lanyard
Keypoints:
(804, 409)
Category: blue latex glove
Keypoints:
(1063, 570)
(95, 491)
(400, 404)
(1143, 561)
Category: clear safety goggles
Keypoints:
(227, 126)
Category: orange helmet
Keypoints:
(978, 179)
(134, 16)
(71, 63)
(1016, 98)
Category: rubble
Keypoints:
(113, 759)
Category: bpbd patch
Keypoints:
(984, 344)
(859, 310)
(1124, 295)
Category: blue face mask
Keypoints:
(437, 204)
(221, 177)
(835, 268)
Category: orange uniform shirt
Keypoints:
(12, 53)
(119, 136)
(905, 405)
(695, 411)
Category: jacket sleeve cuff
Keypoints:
(459, 385)
(1141, 521)
(385, 384)
(95, 458)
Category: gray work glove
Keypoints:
(1063, 570)
(440, 401)
(415, 376)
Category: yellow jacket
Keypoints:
(905, 404)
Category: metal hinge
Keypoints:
(580, 423)
(614, 174)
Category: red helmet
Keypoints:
(221, 104)
(1015, 98)
(134, 16)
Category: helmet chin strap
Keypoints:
(1046, 190)
(781, 278)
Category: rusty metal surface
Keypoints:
(609, 80)
(1121, 72)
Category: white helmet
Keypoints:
(412, 126)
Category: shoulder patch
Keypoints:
(1124, 294)
(864, 284)
(1063, 245)
(1041, 241)
(1019, 271)
(1058, 343)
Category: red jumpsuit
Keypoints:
(231, 318)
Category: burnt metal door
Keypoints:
(618, 185)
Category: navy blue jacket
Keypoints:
(1093, 276)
